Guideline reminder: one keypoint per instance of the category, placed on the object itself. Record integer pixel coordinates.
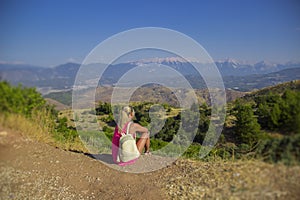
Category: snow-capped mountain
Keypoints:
(227, 67)
(63, 76)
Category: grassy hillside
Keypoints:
(62, 97)
(277, 89)
(254, 128)
(31, 169)
(25, 110)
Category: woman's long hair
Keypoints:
(124, 116)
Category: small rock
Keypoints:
(182, 187)
(236, 174)
(3, 133)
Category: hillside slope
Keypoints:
(277, 89)
(34, 170)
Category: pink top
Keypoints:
(115, 146)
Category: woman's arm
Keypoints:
(138, 128)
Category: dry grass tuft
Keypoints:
(39, 128)
(27, 128)
(189, 179)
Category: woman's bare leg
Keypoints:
(147, 146)
(144, 141)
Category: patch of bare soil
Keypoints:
(33, 170)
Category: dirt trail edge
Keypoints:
(34, 170)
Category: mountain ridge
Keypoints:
(235, 74)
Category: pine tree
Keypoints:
(290, 116)
(247, 128)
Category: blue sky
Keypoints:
(48, 33)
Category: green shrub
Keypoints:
(20, 100)
(285, 150)
(30, 104)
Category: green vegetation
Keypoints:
(245, 136)
(264, 125)
(20, 100)
(20, 105)
(280, 113)
(62, 97)
(246, 130)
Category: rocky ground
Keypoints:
(34, 170)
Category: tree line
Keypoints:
(265, 127)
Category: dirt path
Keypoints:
(38, 171)
(33, 170)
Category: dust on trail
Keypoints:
(34, 170)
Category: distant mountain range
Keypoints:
(236, 75)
